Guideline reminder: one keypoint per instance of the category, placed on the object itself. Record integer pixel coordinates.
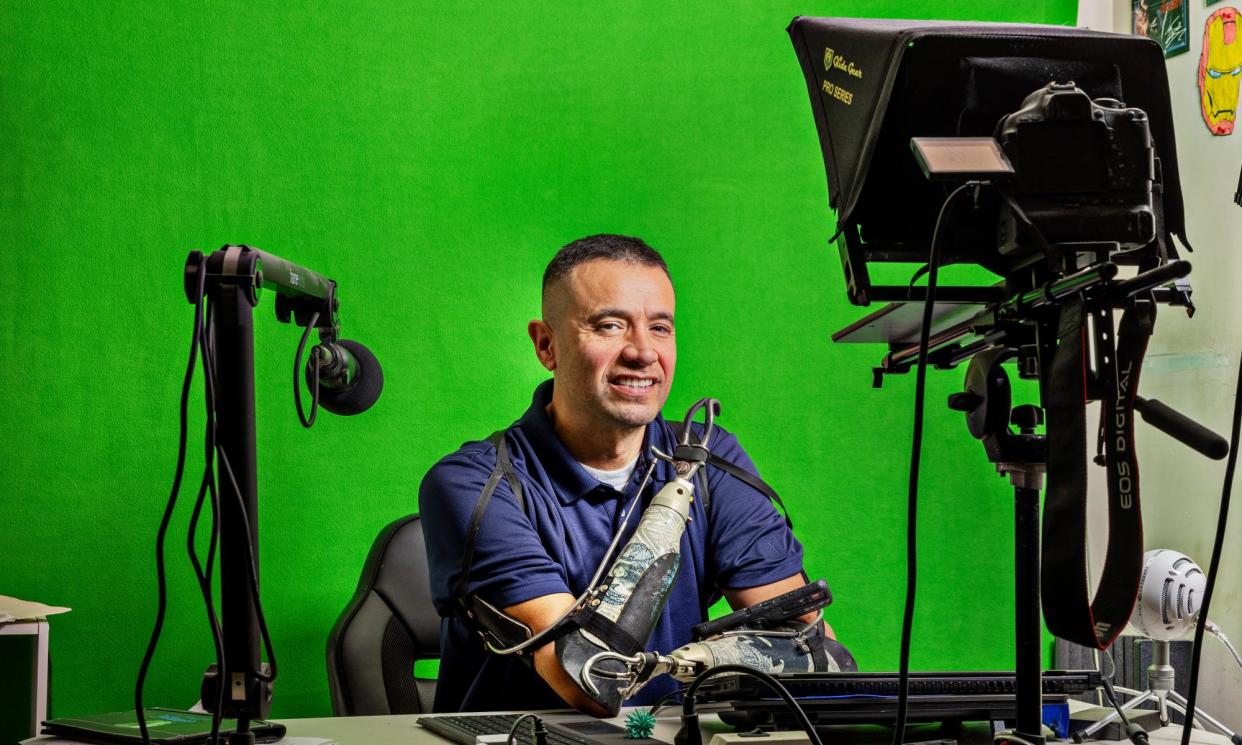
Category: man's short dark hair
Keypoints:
(602, 246)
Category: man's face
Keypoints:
(610, 343)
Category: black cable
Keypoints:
(251, 565)
(667, 699)
(170, 505)
(1106, 654)
(1237, 195)
(1134, 732)
(916, 448)
(536, 725)
(253, 575)
(1111, 695)
(689, 733)
(307, 422)
(204, 575)
(1217, 546)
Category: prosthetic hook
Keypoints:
(774, 642)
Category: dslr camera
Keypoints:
(1084, 172)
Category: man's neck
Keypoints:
(604, 447)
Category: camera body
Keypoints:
(1085, 171)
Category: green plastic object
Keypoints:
(639, 724)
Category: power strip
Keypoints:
(789, 737)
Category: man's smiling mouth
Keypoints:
(634, 382)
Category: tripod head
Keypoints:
(988, 405)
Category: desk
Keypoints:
(402, 730)
(37, 628)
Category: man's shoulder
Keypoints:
(472, 457)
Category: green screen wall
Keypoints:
(431, 157)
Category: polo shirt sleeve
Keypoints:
(510, 564)
(751, 544)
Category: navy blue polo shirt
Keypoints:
(556, 543)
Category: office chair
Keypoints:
(388, 624)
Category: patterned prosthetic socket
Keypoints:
(789, 648)
(617, 620)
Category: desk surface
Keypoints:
(402, 730)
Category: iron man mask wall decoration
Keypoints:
(1220, 64)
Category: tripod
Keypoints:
(1026, 328)
(1031, 336)
(987, 402)
(1160, 677)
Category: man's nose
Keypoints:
(640, 350)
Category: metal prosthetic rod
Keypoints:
(629, 601)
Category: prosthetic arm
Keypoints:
(619, 615)
(771, 641)
(600, 642)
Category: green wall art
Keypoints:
(1166, 21)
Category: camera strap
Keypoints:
(1069, 610)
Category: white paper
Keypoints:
(12, 609)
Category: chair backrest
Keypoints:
(388, 624)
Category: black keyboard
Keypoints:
(842, 698)
(464, 728)
(804, 685)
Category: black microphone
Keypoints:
(350, 378)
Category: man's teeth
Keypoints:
(635, 382)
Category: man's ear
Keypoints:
(545, 345)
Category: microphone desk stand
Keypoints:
(1160, 677)
(234, 277)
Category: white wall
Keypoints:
(1192, 364)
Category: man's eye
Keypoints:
(662, 329)
(609, 326)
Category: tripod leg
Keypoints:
(1161, 706)
(1112, 715)
(1178, 702)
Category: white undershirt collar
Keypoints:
(617, 479)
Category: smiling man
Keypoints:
(576, 457)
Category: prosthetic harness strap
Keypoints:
(1068, 609)
(737, 472)
(503, 469)
(608, 631)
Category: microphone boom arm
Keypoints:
(300, 292)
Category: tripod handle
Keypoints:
(1182, 428)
